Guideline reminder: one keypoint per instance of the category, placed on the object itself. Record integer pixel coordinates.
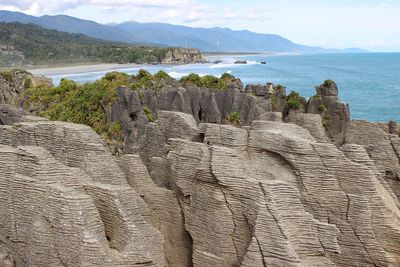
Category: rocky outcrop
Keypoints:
(65, 202)
(382, 147)
(183, 56)
(335, 114)
(269, 97)
(205, 105)
(14, 82)
(276, 195)
(285, 189)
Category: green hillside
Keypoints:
(29, 44)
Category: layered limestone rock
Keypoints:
(183, 56)
(289, 188)
(65, 202)
(205, 105)
(382, 147)
(275, 194)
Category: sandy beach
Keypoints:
(50, 71)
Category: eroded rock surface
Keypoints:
(65, 202)
(277, 194)
(190, 191)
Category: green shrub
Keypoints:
(328, 83)
(208, 81)
(72, 102)
(27, 83)
(144, 75)
(7, 75)
(141, 80)
(293, 100)
(227, 76)
(235, 118)
(149, 114)
(326, 119)
(115, 76)
(191, 79)
(274, 102)
(322, 107)
(162, 75)
(315, 97)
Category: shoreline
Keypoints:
(76, 69)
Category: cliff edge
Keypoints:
(239, 176)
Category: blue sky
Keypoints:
(374, 25)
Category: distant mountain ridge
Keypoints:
(23, 44)
(163, 34)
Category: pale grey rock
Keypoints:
(164, 211)
(182, 56)
(283, 198)
(10, 115)
(199, 194)
(64, 201)
(271, 116)
(313, 123)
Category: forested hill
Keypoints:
(30, 44)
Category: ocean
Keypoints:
(369, 82)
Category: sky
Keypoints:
(368, 24)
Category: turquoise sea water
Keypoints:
(369, 82)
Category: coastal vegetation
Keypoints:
(293, 100)
(30, 44)
(208, 81)
(234, 118)
(86, 103)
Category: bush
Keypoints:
(322, 107)
(27, 83)
(162, 75)
(149, 114)
(227, 76)
(274, 102)
(144, 75)
(191, 79)
(326, 119)
(207, 81)
(115, 76)
(141, 80)
(72, 102)
(210, 81)
(235, 118)
(315, 97)
(293, 100)
(328, 83)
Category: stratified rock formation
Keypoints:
(65, 202)
(299, 184)
(183, 56)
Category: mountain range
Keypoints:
(163, 34)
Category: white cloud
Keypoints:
(39, 7)
(191, 12)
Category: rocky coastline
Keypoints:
(219, 175)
